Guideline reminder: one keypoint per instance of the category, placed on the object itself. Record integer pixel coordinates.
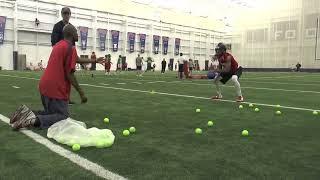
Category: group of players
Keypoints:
(55, 83)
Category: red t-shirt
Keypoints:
(234, 64)
(54, 82)
(107, 65)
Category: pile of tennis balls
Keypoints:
(102, 143)
(241, 106)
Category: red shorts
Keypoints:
(107, 67)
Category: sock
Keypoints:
(236, 85)
(36, 122)
(216, 82)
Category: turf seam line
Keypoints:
(76, 159)
(197, 97)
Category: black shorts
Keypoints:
(180, 67)
(190, 68)
(227, 76)
(139, 67)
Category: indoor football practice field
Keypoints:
(279, 117)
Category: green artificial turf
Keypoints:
(165, 145)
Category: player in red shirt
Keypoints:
(228, 69)
(54, 86)
(107, 65)
(186, 69)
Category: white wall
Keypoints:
(35, 42)
(289, 19)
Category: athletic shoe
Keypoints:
(216, 97)
(239, 99)
(16, 115)
(71, 103)
(26, 119)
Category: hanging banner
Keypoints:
(156, 44)
(115, 40)
(165, 44)
(176, 46)
(83, 37)
(131, 38)
(102, 38)
(142, 42)
(2, 27)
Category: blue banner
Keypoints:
(2, 28)
(115, 40)
(131, 38)
(102, 38)
(156, 44)
(83, 37)
(165, 44)
(176, 46)
(142, 42)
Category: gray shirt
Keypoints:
(139, 61)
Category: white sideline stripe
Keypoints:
(136, 82)
(197, 97)
(283, 77)
(242, 87)
(248, 87)
(16, 87)
(80, 161)
(280, 83)
(121, 83)
(104, 84)
(270, 105)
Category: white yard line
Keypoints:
(280, 77)
(197, 97)
(292, 84)
(261, 104)
(194, 82)
(104, 84)
(80, 161)
(242, 87)
(16, 87)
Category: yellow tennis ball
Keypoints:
(278, 112)
(198, 131)
(126, 132)
(132, 129)
(106, 120)
(76, 147)
(245, 133)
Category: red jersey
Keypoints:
(223, 59)
(107, 65)
(54, 82)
